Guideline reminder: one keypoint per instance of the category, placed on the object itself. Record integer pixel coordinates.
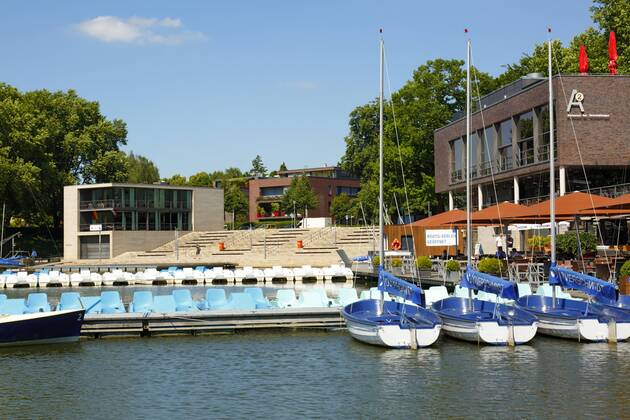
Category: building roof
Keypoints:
(441, 219)
(122, 184)
(316, 169)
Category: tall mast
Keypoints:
(381, 252)
(552, 175)
(468, 210)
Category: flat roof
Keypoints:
(122, 184)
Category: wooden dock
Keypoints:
(199, 322)
(370, 277)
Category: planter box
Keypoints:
(422, 273)
(624, 285)
(453, 276)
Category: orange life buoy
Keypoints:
(396, 245)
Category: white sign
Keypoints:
(441, 237)
(96, 228)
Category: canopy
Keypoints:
(601, 290)
(13, 262)
(621, 202)
(475, 280)
(567, 206)
(391, 284)
(442, 219)
(497, 213)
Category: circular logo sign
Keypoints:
(579, 96)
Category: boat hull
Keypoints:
(420, 328)
(40, 328)
(511, 326)
(577, 320)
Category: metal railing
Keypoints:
(136, 204)
(85, 227)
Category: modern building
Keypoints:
(510, 141)
(106, 220)
(266, 194)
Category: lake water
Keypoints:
(289, 374)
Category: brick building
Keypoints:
(510, 141)
(266, 194)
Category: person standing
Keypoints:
(499, 242)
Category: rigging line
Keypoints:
(402, 170)
(483, 123)
(588, 187)
(41, 209)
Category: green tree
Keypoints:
(176, 179)
(258, 168)
(236, 201)
(59, 138)
(141, 170)
(425, 103)
(342, 205)
(283, 167)
(200, 179)
(300, 192)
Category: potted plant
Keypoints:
(624, 278)
(275, 209)
(375, 262)
(538, 243)
(424, 265)
(396, 265)
(452, 271)
(493, 266)
(260, 210)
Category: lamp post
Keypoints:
(346, 219)
(294, 216)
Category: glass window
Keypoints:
(271, 191)
(505, 133)
(458, 154)
(474, 146)
(488, 144)
(526, 125)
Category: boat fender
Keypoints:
(612, 330)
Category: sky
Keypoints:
(205, 85)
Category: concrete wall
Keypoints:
(127, 241)
(70, 222)
(207, 211)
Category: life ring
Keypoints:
(396, 245)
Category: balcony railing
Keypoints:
(107, 226)
(136, 204)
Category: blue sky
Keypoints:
(204, 85)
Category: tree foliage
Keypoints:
(258, 168)
(300, 192)
(51, 139)
(342, 205)
(141, 170)
(236, 201)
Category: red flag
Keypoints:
(612, 53)
(583, 60)
(94, 215)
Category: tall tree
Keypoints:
(62, 139)
(342, 205)
(283, 167)
(236, 201)
(141, 170)
(258, 168)
(176, 179)
(200, 179)
(301, 193)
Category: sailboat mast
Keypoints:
(552, 171)
(468, 148)
(381, 252)
(4, 205)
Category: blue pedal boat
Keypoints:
(393, 324)
(482, 321)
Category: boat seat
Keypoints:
(285, 298)
(524, 289)
(13, 307)
(257, 294)
(215, 299)
(310, 299)
(347, 295)
(463, 292)
(142, 302)
(2, 298)
(92, 304)
(164, 304)
(69, 301)
(111, 303)
(434, 294)
(326, 301)
(241, 301)
(183, 301)
(37, 302)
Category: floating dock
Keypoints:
(199, 322)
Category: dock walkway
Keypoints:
(198, 322)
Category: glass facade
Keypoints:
(526, 138)
(136, 208)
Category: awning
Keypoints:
(497, 214)
(567, 206)
(448, 218)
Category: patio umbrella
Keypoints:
(497, 214)
(447, 218)
(567, 206)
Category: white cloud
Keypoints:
(138, 30)
(301, 84)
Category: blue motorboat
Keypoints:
(40, 327)
(482, 321)
(598, 320)
(390, 323)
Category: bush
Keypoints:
(538, 242)
(424, 263)
(396, 262)
(567, 243)
(625, 269)
(376, 260)
(493, 266)
(452, 265)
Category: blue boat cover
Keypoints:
(361, 258)
(601, 290)
(391, 284)
(11, 261)
(476, 280)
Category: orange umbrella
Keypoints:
(442, 219)
(567, 206)
(498, 213)
(618, 206)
